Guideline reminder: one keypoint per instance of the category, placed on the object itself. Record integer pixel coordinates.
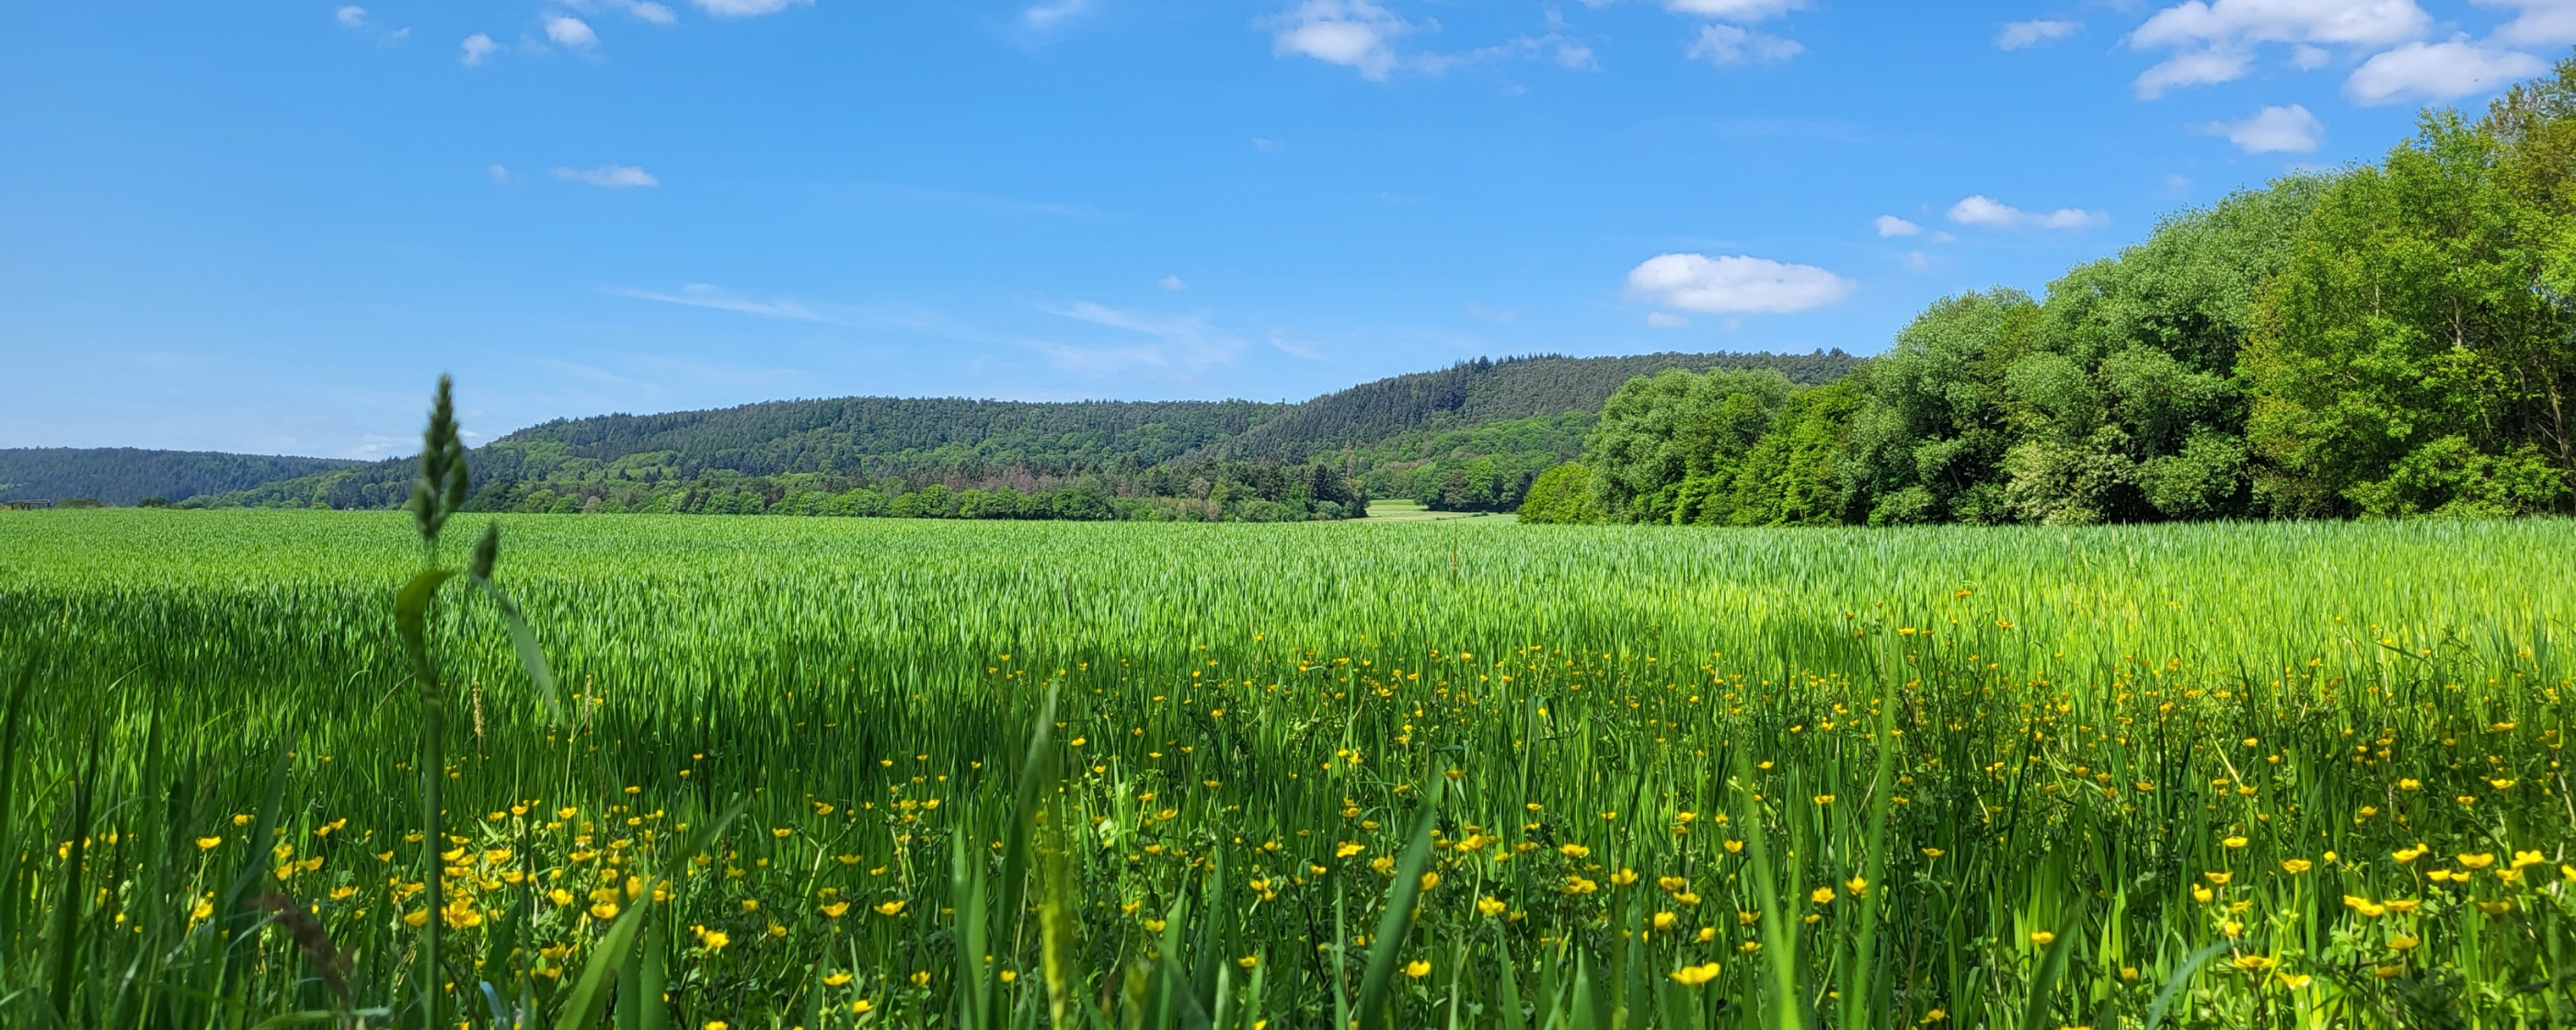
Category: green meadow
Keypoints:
(778, 772)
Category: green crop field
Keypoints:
(846, 772)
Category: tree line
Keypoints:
(2389, 340)
(1213, 491)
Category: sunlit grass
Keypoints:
(2303, 775)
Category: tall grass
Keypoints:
(1290, 776)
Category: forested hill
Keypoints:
(1482, 391)
(900, 444)
(126, 475)
(900, 435)
(862, 438)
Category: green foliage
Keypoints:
(1467, 438)
(1562, 495)
(2413, 355)
(2114, 399)
(1928, 443)
(2393, 340)
(126, 476)
(1667, 446)
(1794, 476)
(1487, 467)
(1481, 391)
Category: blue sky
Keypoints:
(267, 227)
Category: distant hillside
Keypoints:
(1468, 435)
(126, 475)
(1481, 391)
(857, 437)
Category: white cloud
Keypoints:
(703, 295)
(1172, 282)
(1697, 282)
(1266, 145)
(2019, 34)
(1917, 260)
(1734, 10)
(1983, 210)
(747, 8)
(652, 12)
(1045, 16)
(500, 174)
(476, 49)
(1357, 33)
(2234, 22)
(2541, 23)
(2199, 68)
(1723, 45)
(1890, 225)
(2309, 58)
(2214, 40)
(1665, 320)
(2271, 130)
(569, 31)
(350, 16)
(609, 176)
(2438, 71)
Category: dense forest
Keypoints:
(1473, 437)
(1483, 391)
(2388, 340)
(1468, 437)
(127, 476)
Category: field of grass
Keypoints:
(1413, 511)
(1289, 776)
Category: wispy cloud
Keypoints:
(2289, 129)
(747, 8)
(703, 295)
(2438, 71)
(644, 10)
(2214, 40)
(1734, 10)
(1362, 34)
(354, 17)
(1045, 17)
(568, 31)
(610, 176)
(476, 49)
(1356, 33)
(2017, 35)
(1983, 210)
(1890, 225)
(1181, 341)
(1724, 45)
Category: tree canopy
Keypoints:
(2395, 339)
